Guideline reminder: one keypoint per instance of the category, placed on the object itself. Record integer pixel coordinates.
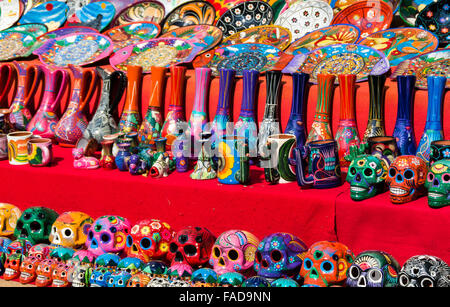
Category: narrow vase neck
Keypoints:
(405, 86)
(133, 88)
(347, 95)
(202, 80)
(273, 86)
(250, 80)
(226, 80)
(157, 82)
(436, 88)
(299, 97)
(177, 79)
(325, 85)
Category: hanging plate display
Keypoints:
(15, 45)
(155, 52)
(304, 17)
(335, 34)
(340, 59)
(369, 16)
(270, 35)
(35, 29)
(90, 12)
(245, 15)
(401, 43)
(188, 14)
(205, 37)
(51, 13)
(339, 5)
(436, 19)
(10, 12)
(140, 11)
(132, 33)
(409, 9)
(243, 57)
(76, 49)
(433, 63)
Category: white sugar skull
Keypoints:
(424, 271)
(70, 229)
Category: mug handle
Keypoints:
(6, 80)
(33, 78)
(88, 86)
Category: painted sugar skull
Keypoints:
(205, 276)
(44, 272)
(119, 279)
(155, 268)
(70, 229)
(61, 254)
(108, 260)
(60, 275)
(234, 251)
(108, 235)
(40, 251)
(279, 255)
(130, 265)
(326, 264)
(28, 269)
(424, 271)
(149, 240)
(12, 266)
(438, 184)
(100, 277)
(158, 282)
(80, 275)
(231, 279)
(35, 224)
(138, 280)
(20, 247)
(9, 214)
(83, 257)
(366, 175)
(406, 179)
(373, 269)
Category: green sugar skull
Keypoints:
(366, 175)
(438, 184)
(35, 224)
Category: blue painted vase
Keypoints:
(122, 156)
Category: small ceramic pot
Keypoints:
(17, 147)
(439, 150)
(40, 152)
(278, 168)
(3, 146)
(234, 162)
(383, 147)
(122, 157)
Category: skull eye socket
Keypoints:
(403, 280)
(233, 255)
(368, 172)
(276, 255)
(392, 172)
(35, 226)
(307, 264)
(216, 252)
(67, 233)
(327, 267)
(375, 276)
(258, 257)
(173, 247)
(352, 170)
(430, 177)
(90, 235)
(426, 283)
(19, 225)
(182, 239)
(190, 250)
(354, 272)
(105, 238)
(145, 243)
(27, 216)
(129, 241)
(409, 174)
(446, 178)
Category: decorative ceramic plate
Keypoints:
(270, 35)
(28, 5)
(10, 11)
(35, 29)
(222, 6)
(51, 13)
(340, 59)
(205, 37)
(436, 18)
(336, 34)
(15, 45)
(76, 49)
(243, 57)
(339, 5)
(132, 33)
(433, 63)
(369, 16)
(74, 6)
(304, 17)
(409, 9)
(155, 52)
(65, 31)
(140, 11)
(90, 12)
(401, 43)
(119, 5)
(170, 5)
(245, 15)
(188, 14)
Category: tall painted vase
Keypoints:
(433, 126)
(131, 118)
(73, 123)
(28, 80)
(45, 120)
(199, 115)
(234, 162)
(404, 128)
(152, 124)
(375, 123)
(321, 128)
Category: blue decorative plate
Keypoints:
(35, 29)
(52, 13)
(89, 13)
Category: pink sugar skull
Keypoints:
(234, 251)
(108, 235)
(40, 251)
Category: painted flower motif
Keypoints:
(166, 235)
(237, 11)
(258, 16)
(432, 27)
(226, 162)
(227, 19)
(155, 225)
(278, 266)
(164, 247)
(248, 17)
(446, 153)
(275, 244)
(145, 230)
(238, 23)
(250, 6)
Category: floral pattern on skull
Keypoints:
(438, 184)
(424, 271)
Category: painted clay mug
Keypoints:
(323, 164)
(234, 161)
(17, 147)
(40, 152)
(279, 168)
(3, 146)
(439, 150)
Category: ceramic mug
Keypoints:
(40, 152)
(3, 146)
(277, 166)
(439, 150)
(322, 160)
(234, 162)
(17, 147)
(383, 147)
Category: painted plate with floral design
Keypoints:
(369, 16)
(89, 13)
(155, 52)
(436, 18)
(15, 45)
(205, 37)
(188, 14)
(305, 17)
(51, 13)
(35, 29)
(76, 49)
(340, 59)
(10, 12)
(409, 9)
(243, 57)
(243, 16)
(339, 5)
(433, 63)
(140, 11)
(270, 35)
(335, 34)
(132, 33)
(400, 44)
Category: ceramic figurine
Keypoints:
(118, 279)
(18, 147)
(44, 273)
(231, 279)
(60, 276)
(424, 271)
(28, 269)
(199, 115)
(234, 161)
(438, 184)
(383, 147)
(138, 280)
(12, 266)
(122, 157)
(204, 277)
(100, 277)
(439, 150)
(26, 224)
(277, 166)
(284, 283)
(204, 168)
(129, 264)
(130, 118)
(70, 229)
(136, 165)
(160, 167)
(82, 162)
(375, 123)
(107, 160)
(80, 276)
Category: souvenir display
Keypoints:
(35, 224)
(131, 33)
(424, 271)
(202, 37)
(91, 11)
(140, 11)
(9, 214)
(409, 9)
(15, 45)
(18, 147)
(305, 16)
(435, 18)
(40, 152)
(375, 123)
(52, 14)
(438, 184)
(199, 116)
(439, 150)
(245, 15)
(279, 168)
(10, 12)
(188, 14)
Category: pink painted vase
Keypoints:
(199, 115)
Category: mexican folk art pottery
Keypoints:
(424, 271)
(140, 11)
(17, 147)
(131, 33)
(34, 29)
(64, 31)
(160, 167)
(438, 184)
(130, 118)
(436, 19)
(202, 37)
(10, 12)
(199, 116)
(122, 156)
(107, 159)
(401, 43)
(70, 229)
(53, 14)
(204, 168)
(80, 161)
(439, 150)
(90, 12)
(383, 147)
(15, 45)
(234, 162)
(35, 225)
(410, 9)
(40, 152)
(188, 14)
(278, 167)
(305, 16)
(375, 123)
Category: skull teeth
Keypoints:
(357, 189)
(25, 275)
(42, 277)
(398, 191)
(10, 271)
(58, 282)
(435, 195)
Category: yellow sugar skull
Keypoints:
(9, 214)
(70, 229)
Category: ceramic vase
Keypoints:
(375, 123)
(122, 157)
(45, 120)
(279, 166)
(404, 128)
(347, 131)
(433, 126)
(234, 161)
(152, 124)
(297, 120)
(199, 115)
(321, 129)
(161, 158)
(73, 123)
(439, 150)
(28, 78)
(107, 160)
(6, 81)
(40, 152)
(181, 150)
(130, 118)
(204, 169)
